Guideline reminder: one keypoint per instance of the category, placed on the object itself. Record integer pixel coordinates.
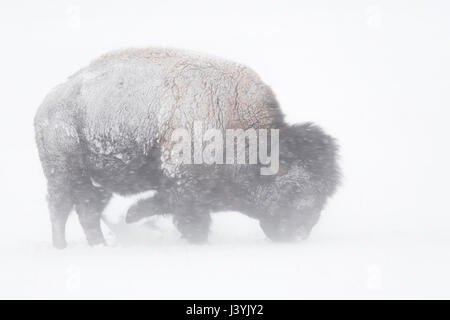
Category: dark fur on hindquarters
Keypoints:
(108, 129)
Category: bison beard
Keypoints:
(111, 123)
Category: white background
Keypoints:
(375, 74)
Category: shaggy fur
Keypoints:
(108, 129)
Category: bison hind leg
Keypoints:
(60, 204)
(145, 208)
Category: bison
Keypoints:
(108, 129)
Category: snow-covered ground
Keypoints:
(372, 73)
(237, 263)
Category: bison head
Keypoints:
(289, 203)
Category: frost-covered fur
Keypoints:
(108, 129)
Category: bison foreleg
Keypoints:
(193, 223)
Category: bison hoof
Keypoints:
(95, 238)
(195, 238)
(59, 244)
(97, 242)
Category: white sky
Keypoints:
(375, 74)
